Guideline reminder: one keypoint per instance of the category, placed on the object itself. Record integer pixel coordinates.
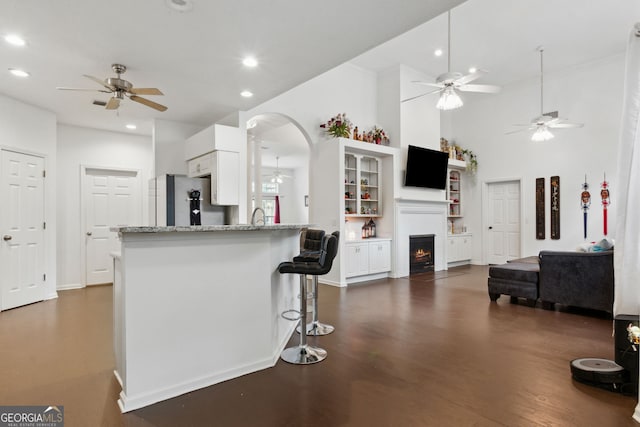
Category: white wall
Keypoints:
(590, 94)
(344, 89)
(168, 142)
(415, 122)
(31, 129)
(78, 147)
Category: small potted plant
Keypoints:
(339, 126)
(471, 159)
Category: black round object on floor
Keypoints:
(602, 373)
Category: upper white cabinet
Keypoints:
(223, 166)
(213, 138)
(225, 183)
(214, 151)
(362, 191)
(454, 196)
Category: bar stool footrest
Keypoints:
(317, 329)
(303, 355)
(285, 315)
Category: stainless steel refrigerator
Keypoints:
(169, 201)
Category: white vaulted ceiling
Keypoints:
(195, 57)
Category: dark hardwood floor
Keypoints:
(430, 350)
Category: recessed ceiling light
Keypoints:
(19, 73)
(250, 61)
(180, 5)
(473, 69)
(438, 52)
(131, 126)
(246, 94)
(15, 40)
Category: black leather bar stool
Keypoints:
(315, 328)
(304, 354)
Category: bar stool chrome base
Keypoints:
(317, 329)
(303, 355)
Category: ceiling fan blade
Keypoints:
(519, 130)
(145, 91)
(148, 103)
(113, 103)
(479, 88)
(470, 77)
(565, 125)
(84, 90)
(100, 82)
(418, 96)
(440, 85)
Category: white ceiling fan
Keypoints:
(277, 176)
(541, 124)
(449, 83)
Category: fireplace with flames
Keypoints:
(421, 253)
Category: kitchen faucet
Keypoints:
(253, 216)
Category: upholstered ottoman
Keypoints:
(518, 280)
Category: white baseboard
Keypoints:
(52, 295)
(70, 286)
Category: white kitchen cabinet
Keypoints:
(367, 257)
(379, 256)
(200, 166)
(459, 248)
(357, 259)
(225, 182)
(213, 138)
(223, 166)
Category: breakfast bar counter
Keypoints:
(195, 306)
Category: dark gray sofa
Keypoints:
(579, 279)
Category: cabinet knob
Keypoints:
(7, 237)
(89, 233)
(490, 228)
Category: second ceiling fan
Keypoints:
(449, 83)
(545, 121)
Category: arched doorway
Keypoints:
(278, 152)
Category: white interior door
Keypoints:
(111, 198)
(22, 266)
(503, 232)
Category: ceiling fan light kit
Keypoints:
(541, 134)
(449, 99)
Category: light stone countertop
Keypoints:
(207, 228)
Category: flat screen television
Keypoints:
(426, 168)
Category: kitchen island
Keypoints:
(195, 306)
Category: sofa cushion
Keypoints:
(522, 272)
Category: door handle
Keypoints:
(490, 228)
(7, 237)
(89, 233)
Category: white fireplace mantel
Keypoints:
(419, 217)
